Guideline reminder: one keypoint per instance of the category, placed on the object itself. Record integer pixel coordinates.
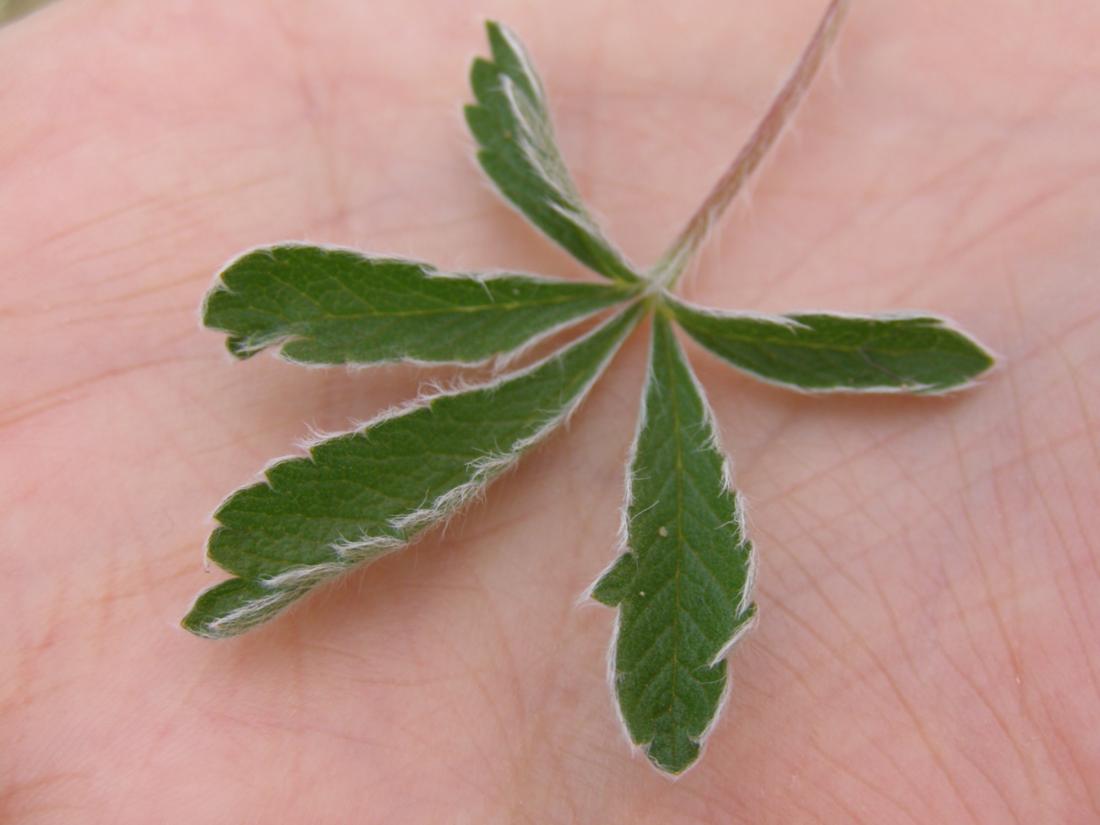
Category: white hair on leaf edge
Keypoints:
(576, 212)
(788, 320)
(744, 546)
(366, 548)
(713, 441)
(612, 684)
(623, 533)
(523, 58)
(302, 575)
(276, 342)
(503, 360)
(289, 584)
(486, 468)
(249, 614)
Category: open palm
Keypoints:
(930, 578)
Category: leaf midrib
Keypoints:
(442, 310)
(677, 429)
(768, 338)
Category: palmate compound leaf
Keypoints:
(326, 305)
(682, 586)
(518, 151)
(362, 494)
(824, 352)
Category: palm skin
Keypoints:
(929, 587)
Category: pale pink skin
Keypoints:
(929, 639)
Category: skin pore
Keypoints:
(929, 584)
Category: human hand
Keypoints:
(929, 580)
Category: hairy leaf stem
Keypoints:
(671, 265)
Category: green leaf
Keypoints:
(825, 352)
(682, 586)
(511, 123)
(362, 494)
(323, 305)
